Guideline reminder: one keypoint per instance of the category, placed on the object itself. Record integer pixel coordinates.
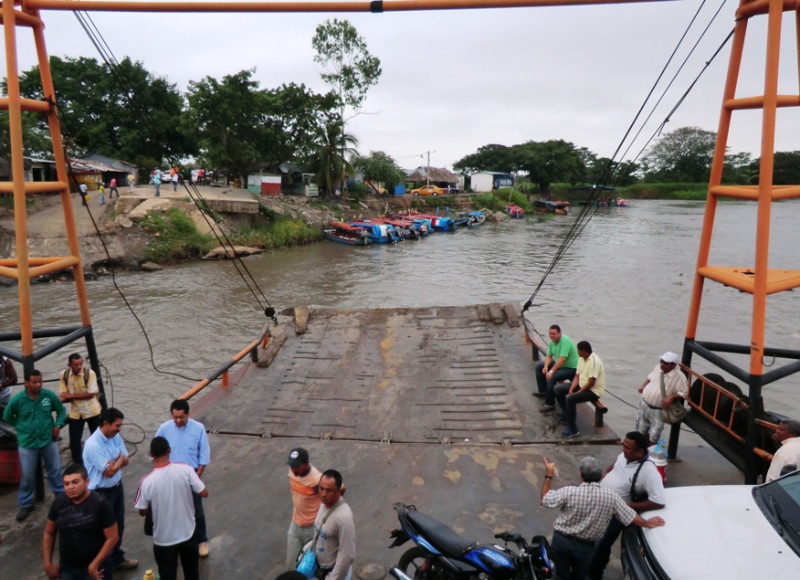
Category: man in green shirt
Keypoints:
(559, 365)
(31, 412)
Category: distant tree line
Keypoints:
(684, 156)
(231, 124)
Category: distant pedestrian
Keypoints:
(84, 193)
(166, 492)
(31, 412)
(304, 484)
(131, 180)
(78, 387)
(112, 188)
(88, 531)
(188, 442)
(104, 456)
(175, 178)
(157, 181)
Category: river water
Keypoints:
(624, 286)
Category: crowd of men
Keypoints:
(88, 515)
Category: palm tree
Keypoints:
(335, 147)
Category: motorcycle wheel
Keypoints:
(414, 562)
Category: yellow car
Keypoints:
(428, 190)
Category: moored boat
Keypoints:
(380, 233)
(556, 207)
(406, 229)
(515, 211)
(438, 223)
(344, 233)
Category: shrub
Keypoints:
(175, 237)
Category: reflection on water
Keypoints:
(624, 286)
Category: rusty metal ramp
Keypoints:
(436, 375)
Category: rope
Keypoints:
(586, 213)
(112, 63)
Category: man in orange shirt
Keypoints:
(304, 484)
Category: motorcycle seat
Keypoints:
(440, 535)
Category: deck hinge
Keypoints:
(445, 440)
(386, 436)
(326, 436)
(506, 443)
(266, 435)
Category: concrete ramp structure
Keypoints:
(423, 375)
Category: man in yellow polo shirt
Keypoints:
(78, 387)
(589, 384)
(304, 483)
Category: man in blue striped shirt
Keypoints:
(188, 441)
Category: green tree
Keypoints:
(550, 161)
(380, 167)
(300, 113)
(786, 168)
(96, 113)
(233, 125)
(487, 158)
(738, 169)
(682, 155)
(334, 148)
(347, 66)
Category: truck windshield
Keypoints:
(779, 500)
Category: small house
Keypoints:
(486, 181)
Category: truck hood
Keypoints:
(718, 532)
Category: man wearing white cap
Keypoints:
(667, 375)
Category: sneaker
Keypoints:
(546, 408)
(571, 432)
(24, 513)
(126, 564)
(202, 549)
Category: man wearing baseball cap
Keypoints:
(304, 484)
(650, 421)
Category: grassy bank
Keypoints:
(281, 233)
(676, 191)
(175, 237)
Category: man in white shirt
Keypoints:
(166, 492)
(631, 472)
(788, 455)
(667, 375)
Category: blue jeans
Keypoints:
(199, 519)
(569, 402)
(73, 573)
(571, 557)
(29, 462)
(546, 387)
(115, 497)
(602, 549)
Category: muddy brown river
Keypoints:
(624, 286)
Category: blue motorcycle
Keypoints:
(441, 554)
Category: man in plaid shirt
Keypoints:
(586, 510)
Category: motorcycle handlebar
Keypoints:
(508, 537)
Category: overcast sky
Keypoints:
(453, 81)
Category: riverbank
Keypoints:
(120, 234)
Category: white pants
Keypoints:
(296, 538)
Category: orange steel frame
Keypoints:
(758, 280)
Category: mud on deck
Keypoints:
(426, 375)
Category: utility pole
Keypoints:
(428, 168)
